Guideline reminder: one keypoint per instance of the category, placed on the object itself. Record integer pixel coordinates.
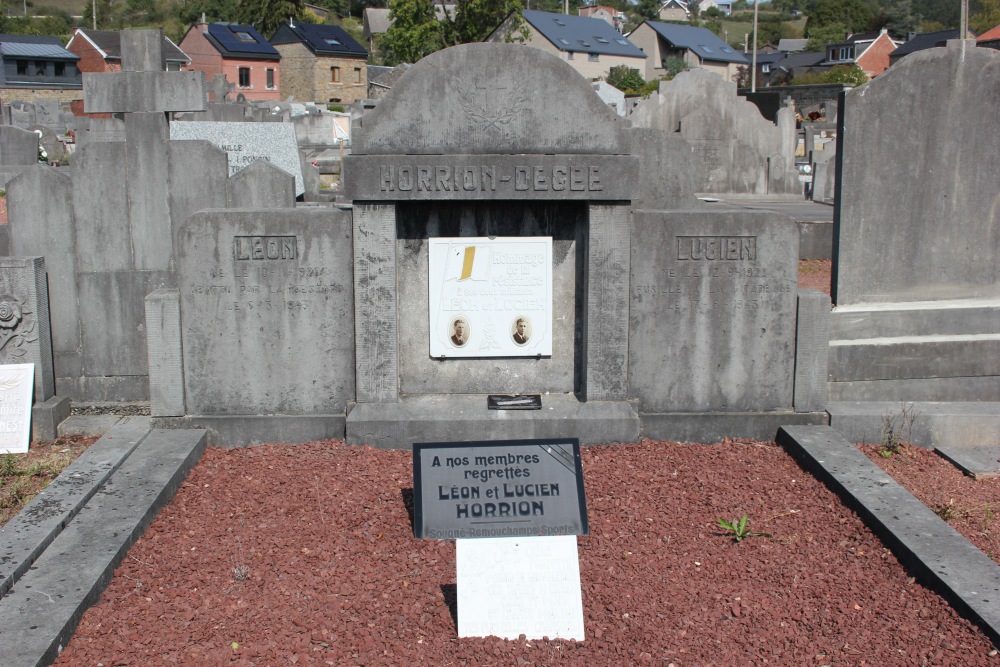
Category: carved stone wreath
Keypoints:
(18, 327)
(491, 116)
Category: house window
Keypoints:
(335, 74)
(357, 75)
(60, 69)
(270, 79)
(245, 37)
(39, 69)
(22, 68)
(569, 55)
(244, 77)
(593, 57)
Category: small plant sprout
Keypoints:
(739, 529)
(897, 428)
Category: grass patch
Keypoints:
(23, 476)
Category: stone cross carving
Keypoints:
(142, 85)
(221, 88)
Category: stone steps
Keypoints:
(88, 532)
(935, 424)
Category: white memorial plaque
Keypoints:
(511, 586)
(490, 297)
(17, 381)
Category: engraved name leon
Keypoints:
(486, 178)
(716, 248)
(265, 247)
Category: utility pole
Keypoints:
(93, 12)
(753, 63)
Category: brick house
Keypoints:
(239, 52)
(589, 45)
(869, 51)
(698, 47)
(101, 51)
(320, 63)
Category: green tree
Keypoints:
(648, 9)
(414, 33)
(853, 15)
(625, 78)
(190, 11)
(987, 16)
(900, 19)
(851, 74)
(830, 34)
(474, 20)
(267, 15)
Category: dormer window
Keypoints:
(332, 42)
(560, 22)
(245, 36)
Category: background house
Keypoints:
(674, 10)
(990, 39)
(237, 51)
(610, 15)
(320, 63)
(869, 51)
(375, 22)
(101, 51)
(698, 47)
(37, 67)
(590, 45)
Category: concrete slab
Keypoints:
(935, 424)
(715, 426)
(465, 417)
(980, 462)
(923, 542)
(24, 537)
(88, 424)
(38, 616)
(246, 430)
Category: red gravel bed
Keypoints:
(815, 274)
(280, 555)
(971, 506)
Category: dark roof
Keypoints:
(31, 46)
(926, 40)
(581, 34)
(109, 42)
(804, 59)
(765, 58)
(702, 41)
(323, 40)
(240, 41)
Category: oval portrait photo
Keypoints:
(520, 330)
(459, 331)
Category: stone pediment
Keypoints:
(490, 98)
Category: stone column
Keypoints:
(375, 317)
(607, 284)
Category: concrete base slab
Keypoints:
(922, 541)
(38, 615)
(934, 424)
(458, 418)
(246, 430)
(88, 424)
(709, 427)
(25, 536)
(952, 389)
(980, 462)
(46, 417)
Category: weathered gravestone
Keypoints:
(108, 232)
(245, 143)
(916, 276)
(18, 150)
(743, 152)
(490, 152)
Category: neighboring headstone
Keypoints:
(611, 96)
(246, 142)
(916, 276)
(18, 151)
(266, 327)
(743, 153)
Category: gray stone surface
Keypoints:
(815, 240)
(611, 96)
(918, 389)
(742, 152)
(25, 337)
(147, 167)
(489, 103)
(709, 427)
(375, 314)
(661, 184)
(25, 537)
(437, 418)
(266, 295)
(907, 357)
(812, 351)
(248, 430)
(941, 557)
(246, 142)
(46, 416)
(88, 424)
(712, 335)
(606, 355)
(931, 230)
(38, 616)
(163, 335)
(921, 318)
(261, 185)
(978, 461)
(934, 423)
(17, 146)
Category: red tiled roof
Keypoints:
(989, 35)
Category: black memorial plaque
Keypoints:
(504, 488)
(516, 402)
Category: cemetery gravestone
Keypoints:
(18, 150)
(916, 277)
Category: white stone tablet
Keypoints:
(490, 297)
(509, 586)
(16, 384)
